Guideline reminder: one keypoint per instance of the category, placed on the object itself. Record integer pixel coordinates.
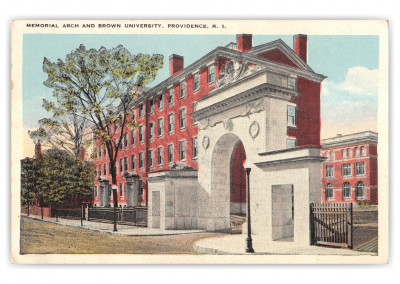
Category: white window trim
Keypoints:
(180, 150)
(295, 115)
(180, 118)
(173, 154)
(171, 131)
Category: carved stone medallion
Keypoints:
(254, 129)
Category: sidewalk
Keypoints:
(236, 244)
(107, 228)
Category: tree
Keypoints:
(63, 131)
(29, 172)
(60, 176)
(101, 87)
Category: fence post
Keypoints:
(350, 241)
(311, 224)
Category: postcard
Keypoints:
(200, 142)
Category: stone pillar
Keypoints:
(132, 191)
(105, 187)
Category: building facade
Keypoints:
(167, 136)
(350, 171)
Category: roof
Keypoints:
(355, 138)
(251, 57)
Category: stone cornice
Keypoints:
(290, 160)
(260, 91)
(347, 140)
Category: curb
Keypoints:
(112, 233)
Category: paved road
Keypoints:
(38, 237)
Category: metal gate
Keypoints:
(331, 224)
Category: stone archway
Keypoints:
(221, 180)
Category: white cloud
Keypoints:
(361, 81)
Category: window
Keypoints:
(126, 163)
(105, 151)
(171, 153)
(95, 191)
(152, 158)
(141, 110)
(183, 118)
(171, 123)
(134, 115)
(357, 151)
(182, 150)
(290, 143)
(121, 166)
(329, 171)
(360, 169)
(333, 155)
(346, 170)
(99, 152)
(329, 192)
(133, 162)
(360, 190)
(141, 134)
(161, 156)
(126, 140)
(363, 151)
(349, 153)
(161, 127)
(151, 130)
(171, 97)
(291, 113)
(346, 190)
(196, 82)
(292, 83)
(152, 106)
(121, 190)
(105, 169)
(141, 160)
(195, 147)
(133, 137)
(161, 102)
(344, 153)
(211, 74)
(183, 90)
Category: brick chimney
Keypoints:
(244, 42)
(300, 46)
(175, 64)
(38, 151)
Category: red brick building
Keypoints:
(167, 133)
(350, 171)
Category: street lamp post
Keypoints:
(114, 189)
(249, 241)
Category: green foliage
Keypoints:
(29, 173)
(100, 86)
(60, 176)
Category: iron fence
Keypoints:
(134, 216)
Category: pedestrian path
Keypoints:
(107, 228)
(236, 244)
(370, 246)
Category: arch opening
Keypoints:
(228, 183)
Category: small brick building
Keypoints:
(350, 171)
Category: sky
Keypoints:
(349, 97)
